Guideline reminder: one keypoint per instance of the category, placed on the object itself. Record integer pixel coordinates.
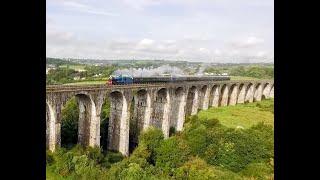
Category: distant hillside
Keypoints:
(146, 63)
(59, 62)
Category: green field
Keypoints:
(87, 82)
(75, 67)
(242, 115)
(235, 78)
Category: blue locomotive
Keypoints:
(120, 79)
(127, 79)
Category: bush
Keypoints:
(171, 154)
(266, 106)
(64, 165)
(151, 138)
(172, 131)
(258, 171)
(210, 123)
(195, 169)
(198, 169)
(235, 149)
(94, 154)
(196, 139)
(133, 172)
(49, 158)
(111, 158)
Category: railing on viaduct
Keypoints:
(162, 105)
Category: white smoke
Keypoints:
(147, 72)
(201, 70)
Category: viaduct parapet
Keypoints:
(158, 105)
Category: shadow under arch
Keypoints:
(191, 100)
(257, 92)
(159, 107)
(137, 117)
(241, 93)
(203, 91)
(224, 92)
(116, 108)
(214, 96)
(249, 93)
(177, 111)
(232, 97)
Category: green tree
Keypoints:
(171, 154)
(69, 127)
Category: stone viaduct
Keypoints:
(159, 105)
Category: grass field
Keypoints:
(75, 67)
(242, 115)
(87, 82)
(242, 78)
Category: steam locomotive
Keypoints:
(127, 79)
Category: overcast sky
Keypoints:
(193, 30)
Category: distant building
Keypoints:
(210, 73)
(50, 68)
(97, 75)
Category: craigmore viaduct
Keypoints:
(159, 105)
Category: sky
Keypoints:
(217, 31)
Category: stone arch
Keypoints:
(249, 93)
(51, 133)
(258, 92)
(141, 104)
(203, 98)
(233, 95)
(160, 112)
(178, 109)
(192, 101)
(271, 94)
(87, 120)
(214, 96)
(224, 95)
(117, 122)
(266, 90)
(242, 94)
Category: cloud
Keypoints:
(166, 29)
(143, 49)
(249, 42)
(141, 4)
(146, 42)
(254, 41)
(84, 8)
(204, 50)
(56, 36)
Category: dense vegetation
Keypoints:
(208, 148)
(58, 62)
(67, 74)
(260, 72)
